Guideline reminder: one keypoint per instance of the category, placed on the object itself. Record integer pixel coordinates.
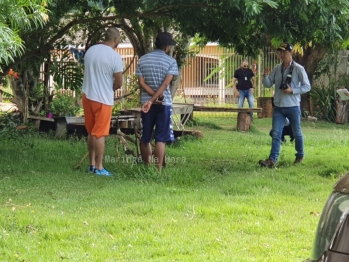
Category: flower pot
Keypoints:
(49, 115)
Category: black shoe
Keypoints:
(298, 160)
(267, 163)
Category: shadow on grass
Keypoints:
(198, 122)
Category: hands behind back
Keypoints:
(146, 107)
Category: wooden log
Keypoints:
(243, 122)
(341, 112)
(226, 109)
(41, 118)
(266, 104)
(21, 128)
(196, 133)
(82, 159)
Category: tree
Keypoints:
(139, 19)
(16, 16)
(317, 26)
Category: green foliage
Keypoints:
(325, 97)
(6, 90)
(211, 206)
(66, 72)
(9, 120)
(232, 24)
(38, 96)
(319, 22)
(15, 16)
(324, 101)
(324, 66)
(64, 104)
(132, 98)
(37, 92)
(8, 124)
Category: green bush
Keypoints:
(132, 98)
(64, 104)
(324, 97)
(324, 100)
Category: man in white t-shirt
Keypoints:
(102, 76)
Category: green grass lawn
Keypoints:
(211, 203)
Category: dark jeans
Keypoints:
(279, 115)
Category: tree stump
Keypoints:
(61, 129)
(341, 109)
(267, 104)
(243, 122)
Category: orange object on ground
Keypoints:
(97, 117)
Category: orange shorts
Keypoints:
(97, 117)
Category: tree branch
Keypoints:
(49, 45)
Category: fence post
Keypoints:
(221, 82)
(259, 75)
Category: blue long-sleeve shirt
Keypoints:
(300, 84)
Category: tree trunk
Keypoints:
(180, 53)
(175, 84)
(243, 122)
(341, 110)
(26, 97)
(266, 103)
(17, 88)
(140, 38)
(310, 59)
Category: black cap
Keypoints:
(164, 39)
(285, 47)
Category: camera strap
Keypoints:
(289, 73)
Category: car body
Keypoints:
(331, 243)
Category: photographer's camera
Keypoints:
(287, 82)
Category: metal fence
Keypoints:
(206, 77)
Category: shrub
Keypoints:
(325, 97)
(64, 104)
(132, 98)
(324, 100)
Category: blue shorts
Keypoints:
(160, 117)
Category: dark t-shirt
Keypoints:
(244, 78)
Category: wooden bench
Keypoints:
(243, 119)
(59, 125)
(38, 119)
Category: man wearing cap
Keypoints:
(245, 88)
(290, 80)
(155, 72)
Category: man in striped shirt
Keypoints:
(155, 72)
